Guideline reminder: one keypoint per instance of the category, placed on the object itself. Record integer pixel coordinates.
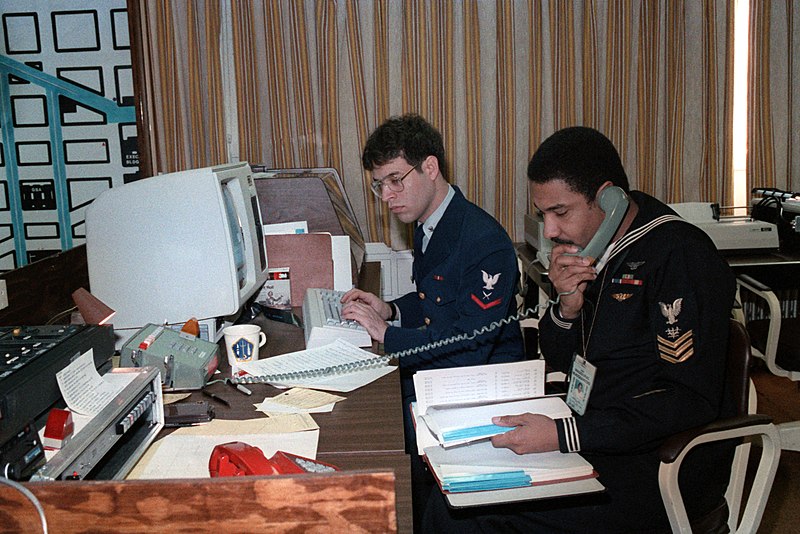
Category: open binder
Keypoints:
(453, 436)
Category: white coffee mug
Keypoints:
(242, 342)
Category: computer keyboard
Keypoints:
(323, 322)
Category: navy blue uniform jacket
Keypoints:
(467, 279)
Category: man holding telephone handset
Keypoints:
(641, 327)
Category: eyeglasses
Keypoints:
(394, 184)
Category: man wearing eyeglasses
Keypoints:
(465, 268)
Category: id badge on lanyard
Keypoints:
(580, 384)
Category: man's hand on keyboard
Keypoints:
(368, 310)
(383, 310)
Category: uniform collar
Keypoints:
(429, 224)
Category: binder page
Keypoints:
(479, 383)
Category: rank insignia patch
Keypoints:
(490, 280)
(671, 311)
(486, 305)
(619, 297)
(677, 351)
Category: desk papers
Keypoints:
(300, 400)
(84, 390)
(185, 452)
(339, 352)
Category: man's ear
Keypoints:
(430, 166)
(607, 183)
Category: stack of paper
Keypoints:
(481, 466)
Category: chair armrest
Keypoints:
(669, 451)
(675, 449)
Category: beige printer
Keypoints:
(732, 233)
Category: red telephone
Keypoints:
(239, 459)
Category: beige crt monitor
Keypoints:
(175, 246)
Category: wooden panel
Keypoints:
(399, 462)
(41, 290)
(339, 502)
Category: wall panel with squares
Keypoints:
(67, 121)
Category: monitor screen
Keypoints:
(175, 246)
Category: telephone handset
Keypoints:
(614, 203)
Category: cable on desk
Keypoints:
(27, 493)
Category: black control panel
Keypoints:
(30, 357)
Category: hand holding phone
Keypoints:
(614, 203)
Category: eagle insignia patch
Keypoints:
(671, 311)
(490, 280)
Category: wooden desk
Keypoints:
(337, 502)
(363, 432)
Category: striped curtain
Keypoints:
(773, 103)
(314, 77)
(177, 73)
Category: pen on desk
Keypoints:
(242, 389)
(216, 398)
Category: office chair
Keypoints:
(744, 424)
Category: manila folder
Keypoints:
(309, 258)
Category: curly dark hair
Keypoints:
(582, 157)
(408, 136)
